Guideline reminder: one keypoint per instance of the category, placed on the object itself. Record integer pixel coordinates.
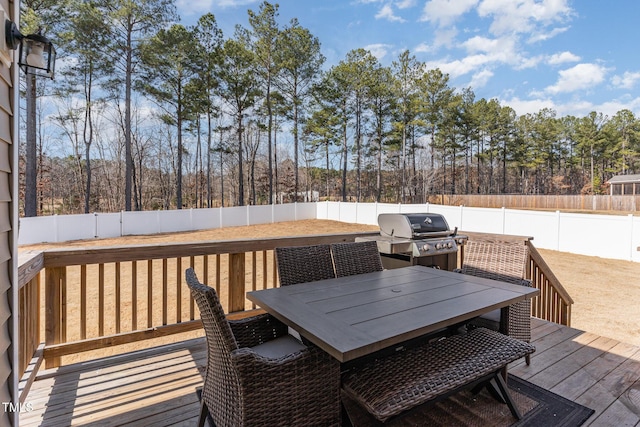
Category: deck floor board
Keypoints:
(157, 387)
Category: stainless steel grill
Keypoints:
(417, 239)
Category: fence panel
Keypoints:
(348, 212)
(607, 236)
(305, 210)
(108, 225)
(233, 216)
(367, 213)
(175, 221)
(602, 235)
(262, 214)
(542, 226)
(482, 220)
(37, 230)
(205, 218)
(140, 223)
(453, 215)
(283, 213)
(75, 227)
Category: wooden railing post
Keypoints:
(55, 279)
(236, 282)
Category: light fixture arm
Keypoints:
(13, 36)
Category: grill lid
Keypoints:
(413, 226)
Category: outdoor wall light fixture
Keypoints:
(36, 52)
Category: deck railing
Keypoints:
(101, 297)
(554, 302)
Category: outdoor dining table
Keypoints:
(354, 316)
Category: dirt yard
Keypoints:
(606, 292)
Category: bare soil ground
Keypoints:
(606, 292)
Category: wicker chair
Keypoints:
(356, 258)
(505, 261)
(301, 264)
(258, 375)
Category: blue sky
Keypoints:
(572, 56)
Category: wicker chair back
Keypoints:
(356, 258)
(221, 392)
(301, 264)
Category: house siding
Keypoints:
(8, 222)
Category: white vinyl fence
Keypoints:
(606, 236)
(62, 228)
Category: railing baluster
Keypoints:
(218, 263)
(274, 269)
(150, 293)
(265, 271)
(83, 301)
(118, 302)
(101, 299)
(165, 289)
(179, 290)
(192, 263)
(134, 295)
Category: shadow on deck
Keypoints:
(158, 386)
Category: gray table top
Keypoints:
(350, 317)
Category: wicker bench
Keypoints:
(389, 386)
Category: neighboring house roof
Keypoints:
(625, 179)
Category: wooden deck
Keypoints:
(158, 386)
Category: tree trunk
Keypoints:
(128, 158)
(31, 175)
(240, 165)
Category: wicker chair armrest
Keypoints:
(526, 282)
(256, 330)
(246, 355)
(286, 383)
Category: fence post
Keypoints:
(557, 230)
(630, 234)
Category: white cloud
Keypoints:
(379, 50)
(530, 62)
(531, 106)
(562, 57)
(445, 12)
(579, 77)
(523, 16)
(499, 50)
(405, 4)
(226, 3)
(387, 13)
(480, 79)
(195, 7)
(422, 48)
(626, 81)
(445, 37)
(198, 7)
(460, 67)
(546, 34)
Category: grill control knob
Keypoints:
(425, 248)
(450, 245)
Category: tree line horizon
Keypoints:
(151, 114)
